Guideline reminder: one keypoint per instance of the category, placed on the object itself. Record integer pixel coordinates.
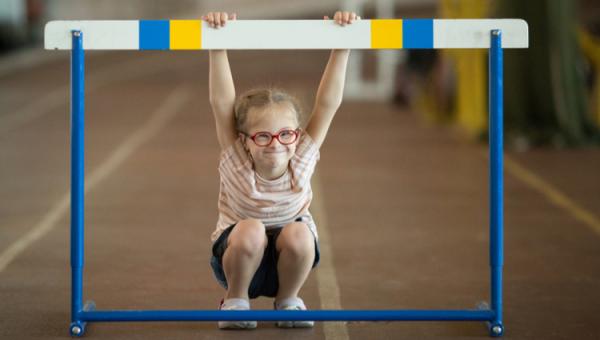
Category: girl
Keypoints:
(266, 241)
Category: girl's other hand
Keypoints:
(218, 19)
(343, 18)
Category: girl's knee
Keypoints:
(296, 238)
(248, 236)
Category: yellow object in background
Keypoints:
(591, 49)
(470, 110)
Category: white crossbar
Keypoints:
(286, 34)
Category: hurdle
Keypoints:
(492, 34)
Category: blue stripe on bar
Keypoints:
(154, 34)
(271, 315)
(417, 33)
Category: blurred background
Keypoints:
(552, 93)
(401, 187)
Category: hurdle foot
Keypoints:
(77, 328)
(495, 328)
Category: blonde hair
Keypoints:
(261, 97)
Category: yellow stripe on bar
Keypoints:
(386, 33)
(185, 34)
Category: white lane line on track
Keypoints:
(160, 117)
(60, 96)
(551, 193)
(26, 58)
(329, 291)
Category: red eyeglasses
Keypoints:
(285, 137)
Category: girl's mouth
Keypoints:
(274, 152)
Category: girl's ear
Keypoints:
(244, 141)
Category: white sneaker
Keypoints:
(236, 304)
(292, 304)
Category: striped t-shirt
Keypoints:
(244, 194)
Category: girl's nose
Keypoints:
(275, 146)
(275, 142)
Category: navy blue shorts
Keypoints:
(265, 281)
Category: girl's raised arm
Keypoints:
(331, 89)
(221, 88)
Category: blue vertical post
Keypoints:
(77, 180)
(496, 180)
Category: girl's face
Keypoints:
(273, 119)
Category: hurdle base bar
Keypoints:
(273, 315)
(90, 314)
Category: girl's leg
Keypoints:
(245, 248)
(296, 248)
